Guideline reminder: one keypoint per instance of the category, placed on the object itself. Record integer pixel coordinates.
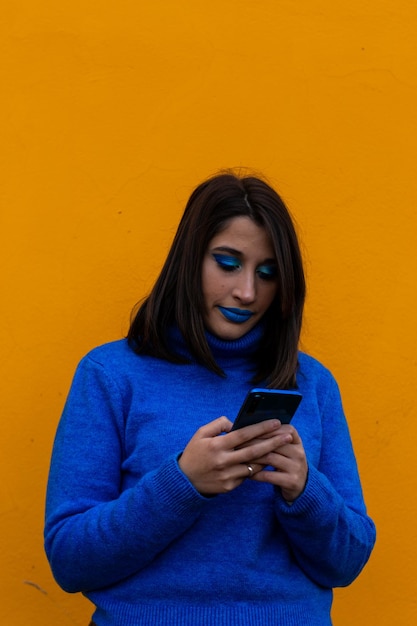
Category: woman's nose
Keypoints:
(245, 289)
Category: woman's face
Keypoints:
(238, 278)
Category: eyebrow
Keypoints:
(268, 261)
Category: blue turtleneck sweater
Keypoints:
(126, 527)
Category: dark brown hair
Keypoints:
(176, 297)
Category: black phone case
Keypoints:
(265, 404)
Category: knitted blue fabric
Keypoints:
(126, 527)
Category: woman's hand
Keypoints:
(289, 463)
(217, 464)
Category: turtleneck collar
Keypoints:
(225, 352)
(246, 346)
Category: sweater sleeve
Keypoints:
(96, 533)
(328, 527)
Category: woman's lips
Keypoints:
(237, 316)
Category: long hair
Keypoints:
(176, 298)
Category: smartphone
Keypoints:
(266, 404)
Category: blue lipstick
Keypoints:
(237, 316)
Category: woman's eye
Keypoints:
(227, 263)
(267, 272)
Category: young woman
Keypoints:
(156, 510)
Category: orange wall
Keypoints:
(111, 112)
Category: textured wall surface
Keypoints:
(111, 112)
